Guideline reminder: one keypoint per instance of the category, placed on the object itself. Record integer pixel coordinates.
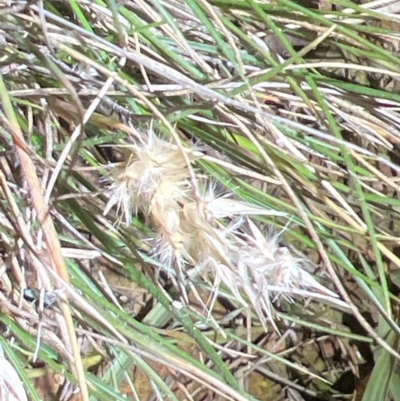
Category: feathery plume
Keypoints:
(205, 235)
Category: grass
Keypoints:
(292, 110)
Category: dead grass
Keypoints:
(290, 110)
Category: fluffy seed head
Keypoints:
(191, 229)
(154, 173)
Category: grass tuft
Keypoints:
(208, 190)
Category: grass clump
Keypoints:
(199, 199)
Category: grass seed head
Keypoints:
(190, 230)
(154, 172)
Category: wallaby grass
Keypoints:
(294, 110)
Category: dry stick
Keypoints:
(50, 233)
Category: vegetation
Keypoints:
(199, 200)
